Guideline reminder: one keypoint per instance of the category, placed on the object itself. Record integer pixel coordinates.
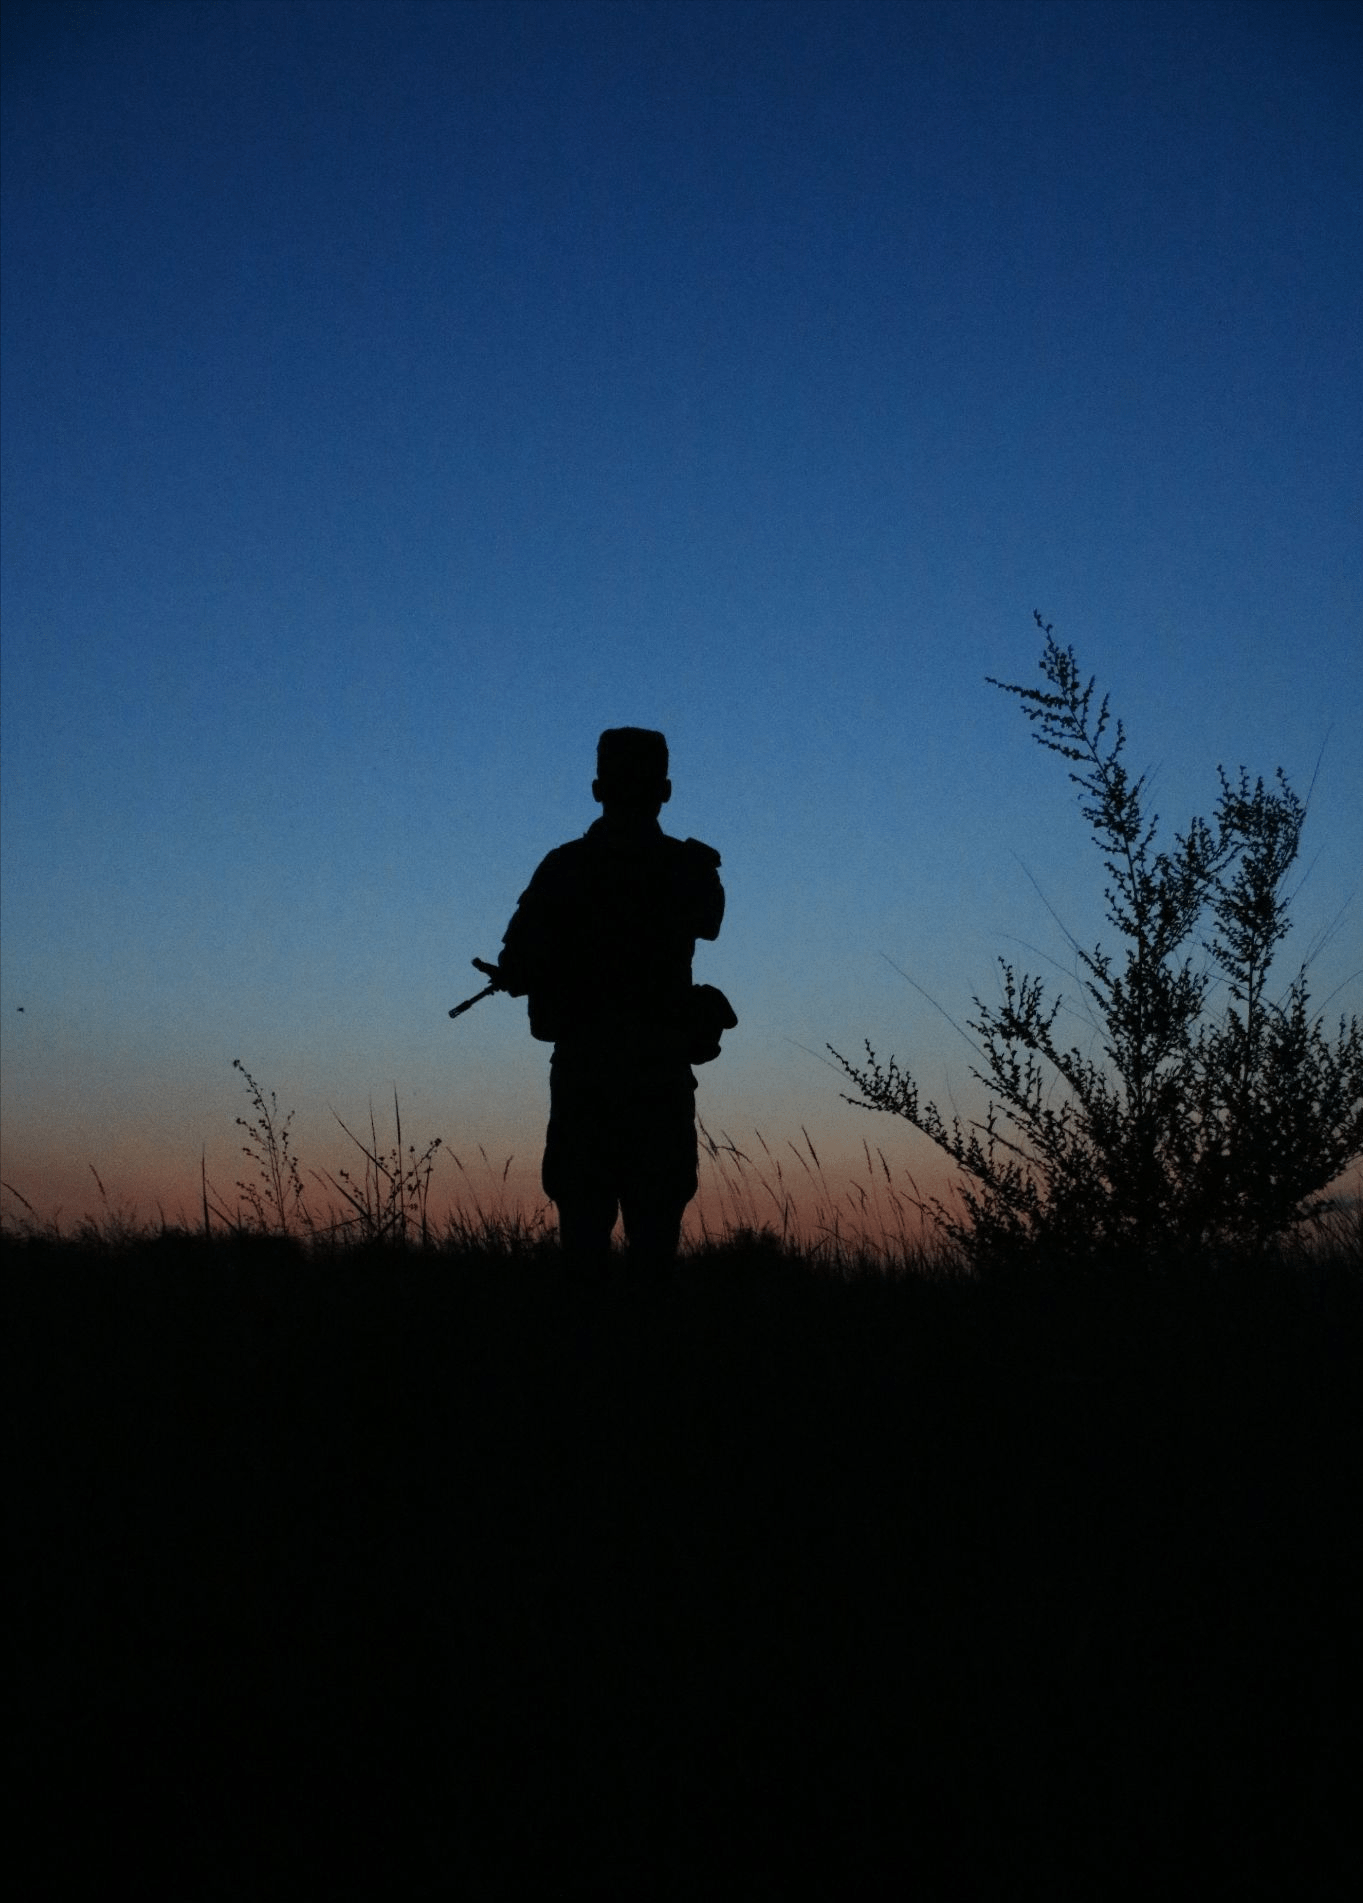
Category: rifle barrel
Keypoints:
(459, 1009)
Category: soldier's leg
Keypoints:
(653, 1231)
(576, 1174)
(585, 1223)
(659, 1178)
(586, 1206)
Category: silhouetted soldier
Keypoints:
(602, 942)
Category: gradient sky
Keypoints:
(396, 394)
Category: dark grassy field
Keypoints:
(385, 1576)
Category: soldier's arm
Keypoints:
(527, 939)
(704, 862)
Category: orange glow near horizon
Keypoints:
(855, 1204)
(786, 1188)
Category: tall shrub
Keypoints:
(1219, 1111)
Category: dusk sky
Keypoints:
(394, 395)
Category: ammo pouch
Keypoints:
(546, 1017)
(708, 1014)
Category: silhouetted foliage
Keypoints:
(277, 1202)
(387, 1201)
(1197, 1130)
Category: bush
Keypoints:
(1199, 1131)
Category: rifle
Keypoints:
(479, 964)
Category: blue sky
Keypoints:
(395, 395)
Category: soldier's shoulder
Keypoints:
(571, 852)
(558, 865)
(696, 853)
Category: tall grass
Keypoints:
(384, 1198)
(776, 1199)
(784, 1196)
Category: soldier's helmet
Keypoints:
(632, 760)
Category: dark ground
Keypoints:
(417, 1579)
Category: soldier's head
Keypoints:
(631, 772)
